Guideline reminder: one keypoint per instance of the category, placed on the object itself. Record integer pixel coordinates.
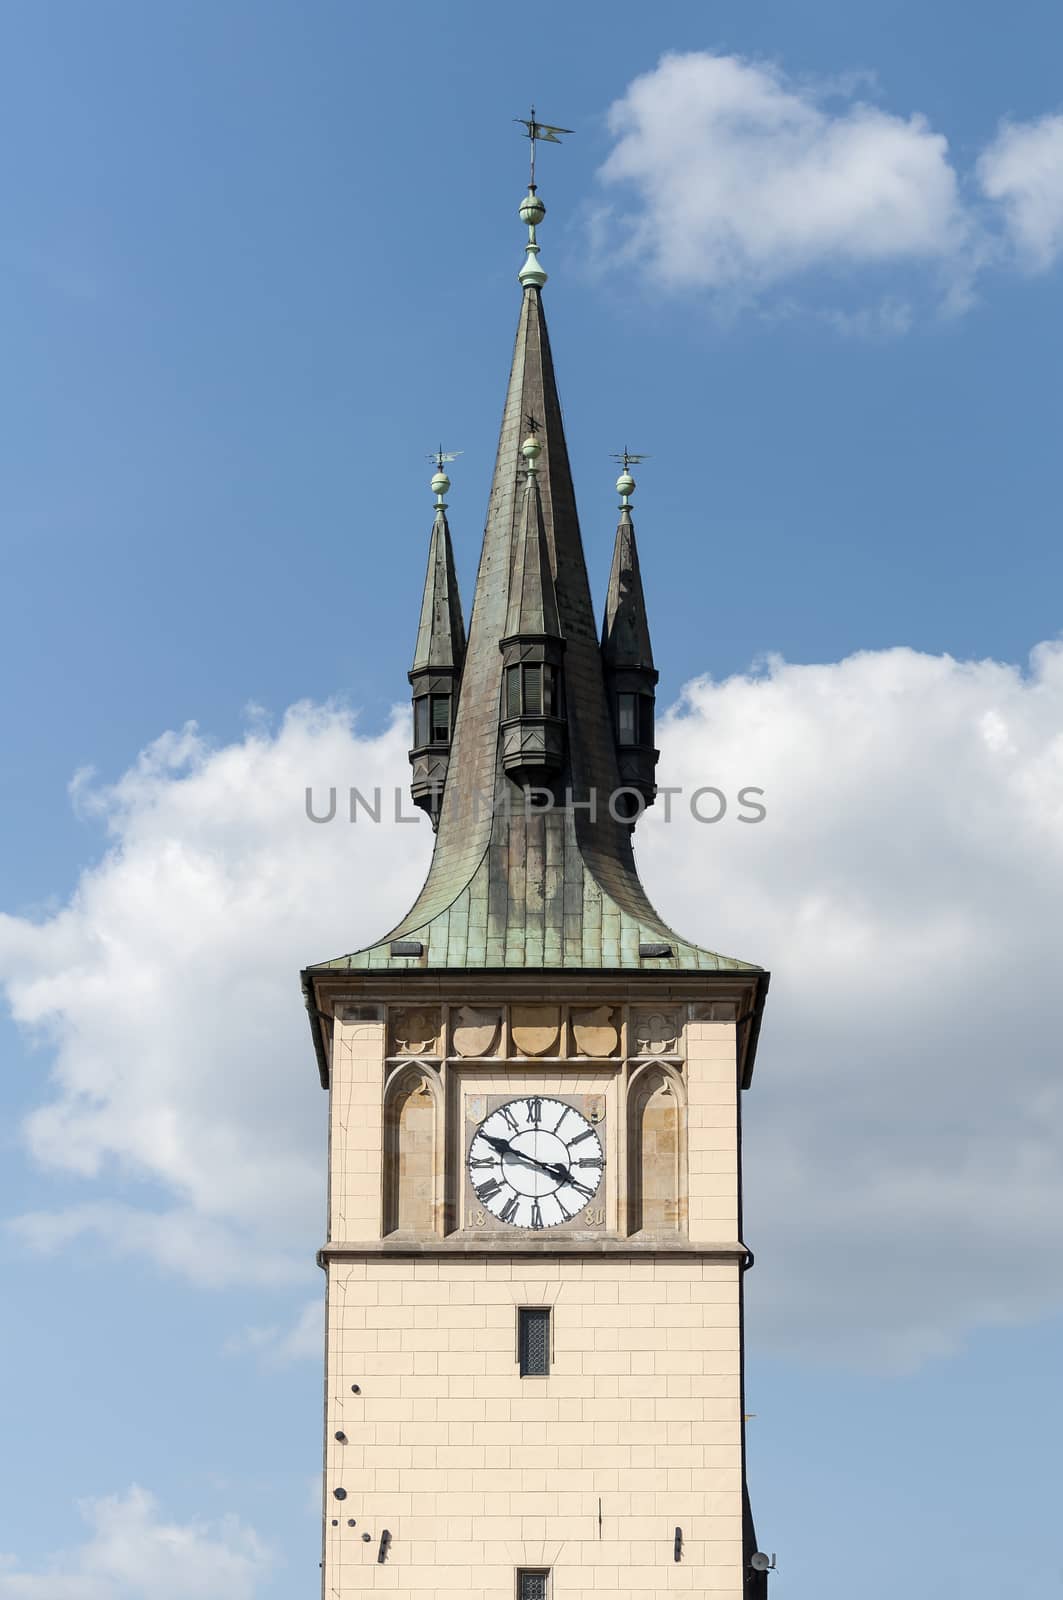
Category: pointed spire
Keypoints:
(441, 630)
(626, 629)
(532, 607)
(627, 657)
(547, 878)
(438, 659)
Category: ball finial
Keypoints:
(625, 484)
(531, 450)
(532, 210)
(440, 483)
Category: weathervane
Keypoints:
(440, 482)
(532, 210)
(625, 484)
(538, 130)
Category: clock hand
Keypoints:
(501, 1145)
(551, 1168)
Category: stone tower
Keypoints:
(534, 1367)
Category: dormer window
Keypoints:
(634, 719)
(431, 720)
(533, 690)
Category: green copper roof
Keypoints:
(556, 888)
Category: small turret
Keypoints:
(627, 657)
(437, 660)
(532, 711)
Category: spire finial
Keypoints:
(532, 210)
(440, 482)
(531, 449)
(625, 484)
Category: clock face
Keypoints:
(535, 1162)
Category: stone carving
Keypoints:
(476, 1032)
(535, 1029)
(414, 1032)
(656, 1033)
(596, 1032)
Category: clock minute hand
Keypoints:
(503, 1146)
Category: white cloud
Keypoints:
(167, 991)
(132, 1555)
(743, 178)
(905, 1132)
(1022, 171)
(303, 1340)
(904, 1176)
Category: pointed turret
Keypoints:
(533, 728)
(627, 657)
(438, 658)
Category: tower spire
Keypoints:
(438, 657)
(533, 863)
(627, 655)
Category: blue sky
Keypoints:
(255, 263)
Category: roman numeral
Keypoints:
(537, 1215)
(580, 1188)
(588, 1133)
(485, 1161)
(589, 1161)
(507, 1116)
(508, 1211)
(488, 1190)
(561, 1118)
(535, 1109)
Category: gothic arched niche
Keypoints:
(654, 1152)
(410, 1146)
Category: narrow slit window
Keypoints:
(533, 691)
(625, 719)
(420, 720)
(512, 691)
(645, 719)
(549, 692)
(532, 1583)
(533, 1341)
(441, 719)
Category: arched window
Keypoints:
(410, 1141)
(654, 1152)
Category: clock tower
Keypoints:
(534, 1262)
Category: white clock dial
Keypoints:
(535, 1162)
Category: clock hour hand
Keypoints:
(553, 1169)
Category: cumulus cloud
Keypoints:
(166, 992)
(904, 1167)
(730, 178)
(905, 1136)
(1022, 171)
(131, 1554)
(742, 178)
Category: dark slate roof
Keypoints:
(441, 630)
(626, 629)
(555, 888)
